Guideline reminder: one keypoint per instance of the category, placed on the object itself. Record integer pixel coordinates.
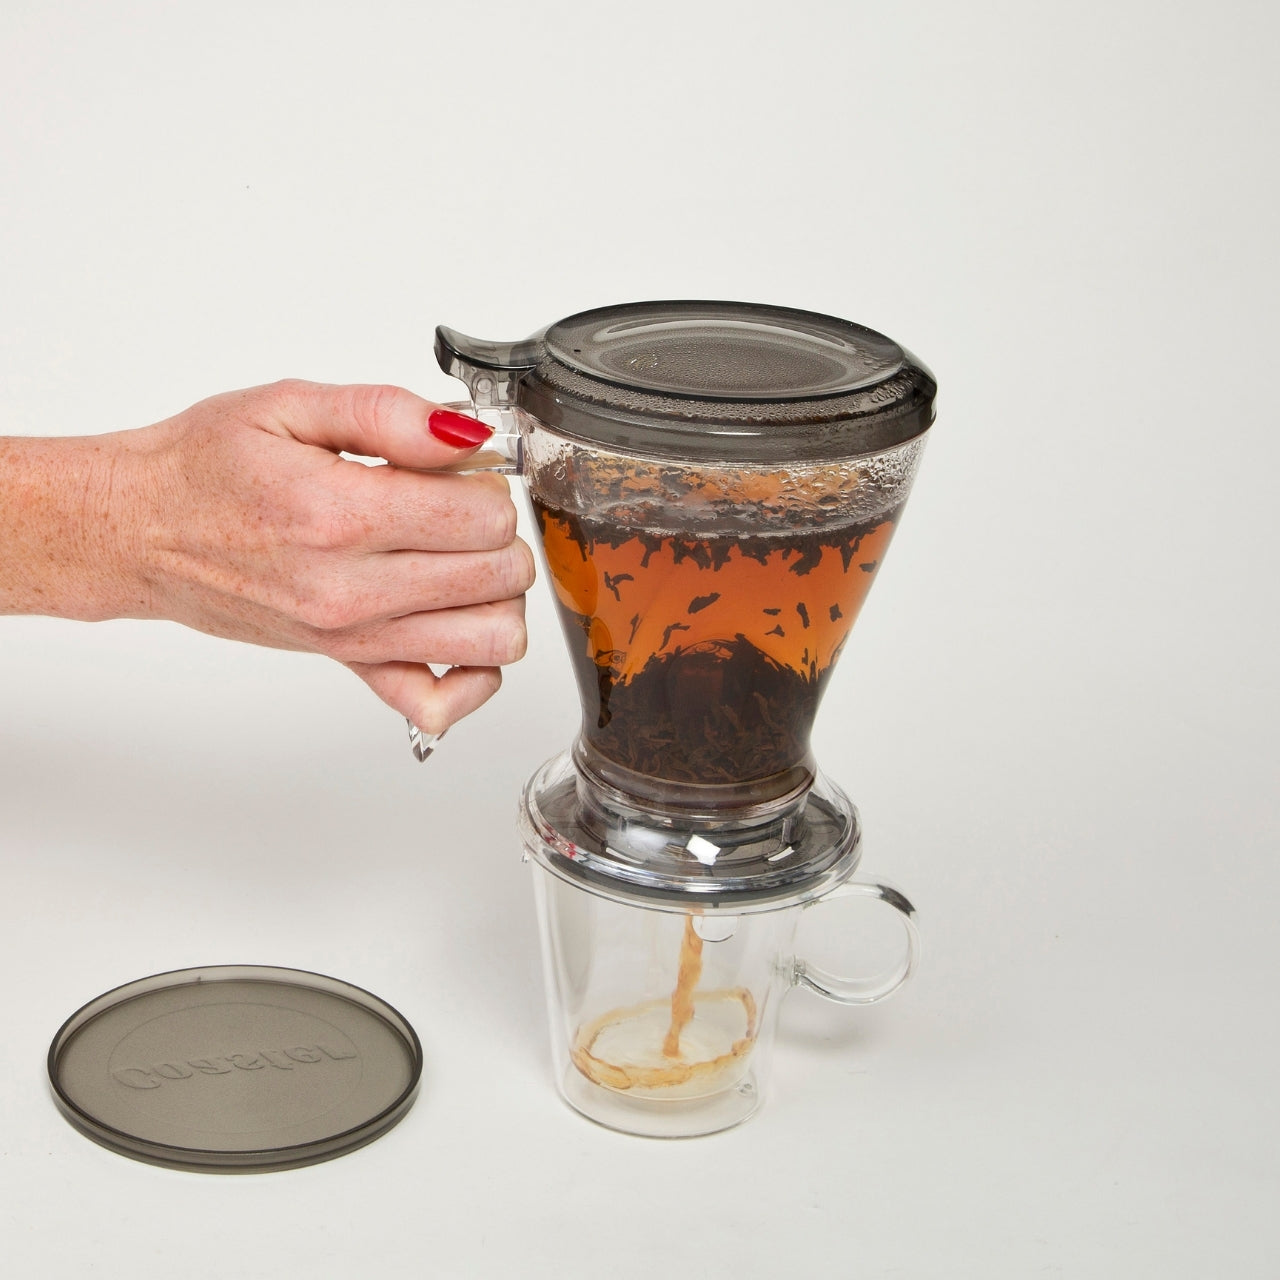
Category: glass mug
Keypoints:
(663, 1019)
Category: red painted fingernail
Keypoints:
(457, 429)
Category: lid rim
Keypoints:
(847, 390)
(664, 438)
(242, 1160)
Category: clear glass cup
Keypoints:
(662, 1019)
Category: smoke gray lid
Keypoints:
(235, 1068)
(729, 381)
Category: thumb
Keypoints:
(378, 422)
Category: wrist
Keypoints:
(68, 528)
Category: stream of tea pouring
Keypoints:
(682, 1045)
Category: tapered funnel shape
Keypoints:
(704, 629)
(715, 485)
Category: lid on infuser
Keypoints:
(724, 381)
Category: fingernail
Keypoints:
(457, 429)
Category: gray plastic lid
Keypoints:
(235, 1068)
(729, 381)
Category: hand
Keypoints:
(238, 518)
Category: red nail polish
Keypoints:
(457, 429)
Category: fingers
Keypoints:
(431, 702)
(483, 635)
(385, 569)
(389, 509)
(412, 581)
(376, 589)
(375, 421)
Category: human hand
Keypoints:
(237, 517)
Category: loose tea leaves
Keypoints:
(703, 659)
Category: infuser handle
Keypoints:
(503, 454)
(461, 356)
(863, 990)
(490, 371)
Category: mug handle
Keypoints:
(863, 990)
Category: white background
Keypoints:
(1057, 714)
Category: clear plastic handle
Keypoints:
(503, 453)
(421, 743)
(490, 371)
(863, 990)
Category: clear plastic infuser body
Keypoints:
(715, 487)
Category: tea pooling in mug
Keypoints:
(693, 1043)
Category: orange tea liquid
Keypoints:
(703, 659)
(694, 1043)
(687, 975)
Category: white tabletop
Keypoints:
(1057, 714)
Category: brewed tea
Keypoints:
(702, 659)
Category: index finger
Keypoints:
(378, 421)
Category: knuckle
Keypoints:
(286, 398)
(374, 407)
(327, 612)
(289, 389)
(332, 526)
(475, 514)
(507, 577)
(508, 642)
(519, 570)
(502, 521)
(519, 642)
